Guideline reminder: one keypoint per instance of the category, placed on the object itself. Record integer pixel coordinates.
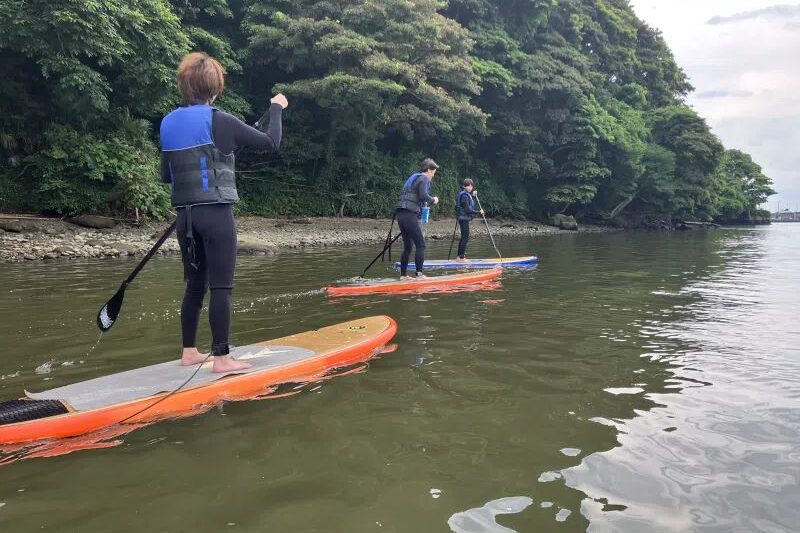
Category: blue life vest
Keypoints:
(409, 199)
(460, 211)
(198, 171)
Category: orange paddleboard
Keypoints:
(383, 286)
(102, 402)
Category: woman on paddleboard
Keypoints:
(414, 196)
(197, 158)
(465, 211)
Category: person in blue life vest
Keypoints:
(465, 211)
(198, 143)
(414, 196)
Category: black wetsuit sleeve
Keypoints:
(231, 133)
(423, 189)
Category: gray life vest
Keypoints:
(199, 173)
(461, 213)
(409, 199)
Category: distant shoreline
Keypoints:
(34, 239)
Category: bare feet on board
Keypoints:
(191, 357)
(226, 363)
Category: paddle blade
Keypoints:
(110, 311)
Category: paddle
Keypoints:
(108, 314)
(386, 246)
(487, 228)
(453, 239)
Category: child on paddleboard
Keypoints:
(414, 196)
(465, 211)
(198, 143)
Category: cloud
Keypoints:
(770, 142)
(779, 11)
(722, 93)
(733, 47)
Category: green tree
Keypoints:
(369, 80)
(739, 187)
(79, 69)
(697, 153)
(552, 105)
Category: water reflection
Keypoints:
(482, 519)
(723, 454)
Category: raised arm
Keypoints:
(230, 133)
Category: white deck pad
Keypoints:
(164, 377)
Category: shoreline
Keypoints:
(28, 238)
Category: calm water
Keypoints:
(633, 382)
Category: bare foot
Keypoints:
(420, 275)
(191, 357)
(462, 259)
(226, 363)
(404, 278)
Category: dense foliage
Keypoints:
(553, 106)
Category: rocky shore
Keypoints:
(28, 238)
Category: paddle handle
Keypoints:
(264, 118)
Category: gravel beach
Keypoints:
(28, 238)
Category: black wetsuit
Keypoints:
(214, 231)
(467, 212)
(411, 230)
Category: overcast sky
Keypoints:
(743, 58)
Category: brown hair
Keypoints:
(200, 78)
(428, 164)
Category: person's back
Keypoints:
(413, 193)
(197, 160)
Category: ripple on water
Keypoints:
(701, 325)
(721, 452)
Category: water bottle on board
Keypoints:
(426, 213)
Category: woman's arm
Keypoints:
(423, 188)
(231, 133)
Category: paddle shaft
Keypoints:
(151, 253)
(453, 239)
(487, 228)
(385, 247)
(108, 314)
